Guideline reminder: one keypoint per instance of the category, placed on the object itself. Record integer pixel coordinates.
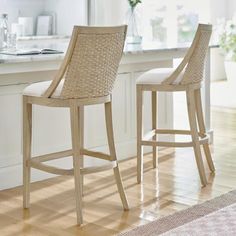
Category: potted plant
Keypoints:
(227, 42)
(133, 34)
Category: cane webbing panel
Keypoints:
(93, 67)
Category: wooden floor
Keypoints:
(174, 186)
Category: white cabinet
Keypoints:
(95, 129)
(51, 130)
(122, 108)
(10, 125)
(164, 108)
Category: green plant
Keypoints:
(227, 38)
(133, 3)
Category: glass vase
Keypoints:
(133, 22)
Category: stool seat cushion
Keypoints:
(157, 76)
(38, 89)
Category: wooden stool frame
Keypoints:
(76, 106)
(193, 66)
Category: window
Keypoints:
(168, 21)
(172, 21)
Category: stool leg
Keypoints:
(154, 126)
(27, 139)
(139, 109)
(203, 129)
(195, 137)
(76, 145)
(81, 120)
(111, 143)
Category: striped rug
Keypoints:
(214, 217)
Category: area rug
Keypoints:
(214, 217)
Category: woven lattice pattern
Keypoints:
(195, 67)
(93, 66)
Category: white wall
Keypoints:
(16, 8)
(113, 12)
(69, 13)
(231, 8)
(108, 12)
(218, 9)
(222, 9)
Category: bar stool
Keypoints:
(186, 77)
(86, 77)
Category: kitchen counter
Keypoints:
(7, 59)
(62, 46)
(143, 56)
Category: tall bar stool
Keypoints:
(86, 77)
(186, 77)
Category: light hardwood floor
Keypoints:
(174, 186)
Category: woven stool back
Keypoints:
(195, 68)
(94, 62)
(193, 63)
(91, 62)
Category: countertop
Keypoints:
(129, 49)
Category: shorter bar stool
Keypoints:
(186, 77)
(86, 77)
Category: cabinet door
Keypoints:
(95, 118)
(51, 129)
(10, 125)
(122, 108)
(164, 108)
(146, 109)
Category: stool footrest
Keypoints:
(95, 169)
(67, 153)
(177, 131)
(36, 162)
(50, 169)
(58, 171)
(146, 141)
(99, 155)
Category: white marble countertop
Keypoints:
(129, 49)
(8, 59)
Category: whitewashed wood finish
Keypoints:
(195, 137)
(76, 107)
(27, 133)
(202, 129)
(198, 137)
(76, 146)
(139, 104)
(154, 125)
(191, 85)
(111, 144)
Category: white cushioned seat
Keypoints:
(38, 89)
(157, 76)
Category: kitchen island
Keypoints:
(52, 125)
